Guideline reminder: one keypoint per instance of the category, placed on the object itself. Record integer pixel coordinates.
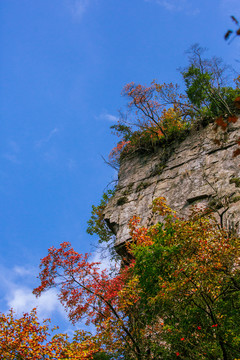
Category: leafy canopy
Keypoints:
(178, 296)
(24, 338)
(188, 272)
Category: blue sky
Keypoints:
(63, 65)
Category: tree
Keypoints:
(24, 338)
(176, 271)
(160, 113)
(206, 88)
(188, 272)
(179, 296)
(97, 224)
(103, 298)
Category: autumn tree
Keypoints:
(160, 113)
(178, 297)
(106, 299)
(178, 292)
(157, 113)
(188, 273)
(25, 338)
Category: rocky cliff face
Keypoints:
(198, 171)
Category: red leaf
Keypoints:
(236, 152)
(232, 119)
(220, 122)
(237, 102)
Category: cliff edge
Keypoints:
(200, 170)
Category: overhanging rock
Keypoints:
(195, 172)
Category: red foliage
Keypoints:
(25, 338)
(116, 151)
(220, 122)
(87, 292)
(237, 102)
(223, 124)
(84, 289)
(232, 119)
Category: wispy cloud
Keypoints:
(177, 6)
(22, 300)
(47, 138)
(47, 146)
(15, 284)
(104, 262)
(23, 271)
(53, 151)
(108, 117)
(12, 152)
(103, 256)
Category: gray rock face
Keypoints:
(195, 172)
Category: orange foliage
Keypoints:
(25, 338)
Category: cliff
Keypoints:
(198, 171)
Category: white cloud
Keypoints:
(52, 151)
(177, 6)
(108, 117)
(24, 271)
(105, 263)
(103, 256)
(22, 300)
(14, 283)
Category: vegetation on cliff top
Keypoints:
(160, 113)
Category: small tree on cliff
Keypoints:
(160, 113)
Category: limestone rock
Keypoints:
(195, 172)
